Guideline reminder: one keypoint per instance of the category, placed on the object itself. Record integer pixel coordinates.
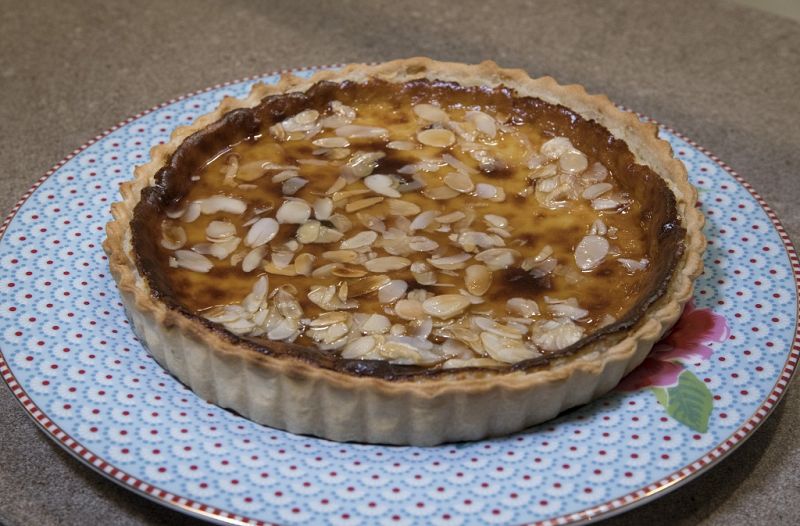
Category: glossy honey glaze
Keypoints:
(643, 228)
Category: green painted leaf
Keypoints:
(690, 402)
(661, 396)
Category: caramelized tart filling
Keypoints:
(392, 228)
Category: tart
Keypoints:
(406, 253)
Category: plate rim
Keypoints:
(607, 509)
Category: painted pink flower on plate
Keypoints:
(685, 343)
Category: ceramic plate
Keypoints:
(70, 358)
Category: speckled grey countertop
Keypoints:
(724, 75)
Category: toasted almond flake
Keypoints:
(543, 172)
(308, 232)
(436, 137)
(253, 258)
(360, 347)
(262, 232)
(445, 306)
(483, 122)
(423, 220)
(595, 174)
(326, 319)
(554, 335)
(381, 184)
(633, 265)
(506, 331)
(325, 271)
(568, 311)
(361, 164)
(452, 217)
(486, 191)
(598, 227)
(524, 307)
(399, 207)
(455, 262)
(440, 193)
(328, 235)
(367, 285)
(229, 169)
(357, 131)
(430, 113)
(346, 194)
(506, 350)
(219, 249)
(192, 261)
(422, 273)
(496, 221)
(409, 309)
(362, 204)
(459, 182)
(222, 203)
(364, 238)
(341, 256)
(422, 244)
(331, 142)
(596, 190)
(477, 278)
(348, 271)
(458, 165)
(392, 291)
(603, 203)
(272, 268)
(323, 208)
(337, 185)
(304, 264)
(293, 185)
(591, 251)
(387, 264)
(573, 162)
(293, 212)
(401, 145)
(172, 237)
(376, 324)
(498, 258)
(284, 175)
(556, 147)
(282, 258)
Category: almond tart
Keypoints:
(410, 253)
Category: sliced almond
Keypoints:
(430, 113)
(367, 285)
(452, 217)
(387, 264)
(362, 204)
(522, 307)
(440, 193)
(331, 142)
(436, 137)
(308, 232)
(341, 256)
(172, 237)
(573, 162)
(454, 262)
(323, 208)
(483, 122)
(293, 212)
(401, 145)
(222, 203)
(356, 131)
(362, 239)
(400, 207)
(445, 306)
(591, 251)
(253, 258)
(459, 182)
(348, 271)
(409, 309)
(498, 258)
(262, 232)
(596, 190)
(192, 261)
(477, 278)
(392, 291)
(361, 164)
(304, 264)
(381, 184)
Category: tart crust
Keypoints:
(287, 392)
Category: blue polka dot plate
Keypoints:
(70, 358)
